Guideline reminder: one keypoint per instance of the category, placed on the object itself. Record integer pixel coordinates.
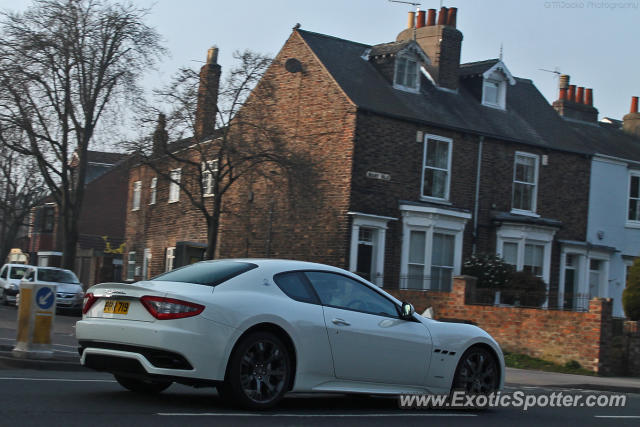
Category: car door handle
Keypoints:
(340, 322)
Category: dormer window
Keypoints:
(406, 76)
(491, 93)
(495, 82)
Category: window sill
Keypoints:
(151, 204)
(632, 224)
(494, 106)
(135, 209)
(173, 201)
(436, 200)
(525, 213)
(406, 88)
(208, 195)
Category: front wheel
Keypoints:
(259, 371)
(477, 372)
(142, 386)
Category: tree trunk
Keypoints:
(213, 223)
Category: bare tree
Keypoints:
(65, 64)
(21, 189)
(233, 137)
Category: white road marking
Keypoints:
(68, 380)
(616, 416)
(244, 414)
(65, 345)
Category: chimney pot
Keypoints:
(634, 104)
(412, 20)
(442, 16)
(572, 93)
(421, 19)
(580, 95)
(431, 18)
(563, 81)
(451, 17)
(563, 93)
(589, 97)
(212, 55)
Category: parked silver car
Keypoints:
(69, 293)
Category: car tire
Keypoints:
(142, 386)
(477, 373)
(259, 372)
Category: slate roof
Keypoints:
(388, 48)
(528, 119)
(105, 157)
(476, 68)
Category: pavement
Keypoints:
(66, 358)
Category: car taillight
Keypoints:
(89, 299)
(169, 308)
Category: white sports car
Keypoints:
(257, 329)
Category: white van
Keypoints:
(10, 276)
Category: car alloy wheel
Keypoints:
(142, 386)
(477, 372)
(260, 371)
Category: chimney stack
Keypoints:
(575, 104)
(631, 121)
(160, 136)
(207, 107)
(441, 42)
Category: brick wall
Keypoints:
(557, 336)
(389, 146)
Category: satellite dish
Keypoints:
(292, 65)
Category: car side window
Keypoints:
(296, 286)
(343, 292)
(3, 273)
(30, 275)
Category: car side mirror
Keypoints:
(407, 310)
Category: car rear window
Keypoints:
(17, 272)
(296, 286)
(209, 273)
(60, 276)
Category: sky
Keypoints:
(594, 41)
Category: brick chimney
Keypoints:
(631, 121)
(208, 96)
(160, 136)
(575, 103)
(441, 42)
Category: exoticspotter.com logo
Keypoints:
(592, 4)
(517, 399)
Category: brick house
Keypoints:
(420, 161)
(101, 223)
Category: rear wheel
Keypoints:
(259, 372)
(142, 386)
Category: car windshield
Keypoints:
(209, 273)
(60, 276)
(17, 272)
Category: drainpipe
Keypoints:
(477, 196)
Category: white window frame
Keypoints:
(209, 169)
(379, 225)
(174, 185)
(449, 141)
(131, 266)
(431, 219)
(169, 258)
(534, 196)
(501, 95)
(408, 58)
(137, 194)
(153, 187)
(146, 263)
(527, 234)
(630, 222)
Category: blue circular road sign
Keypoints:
(45, 298)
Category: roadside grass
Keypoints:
(522, 361)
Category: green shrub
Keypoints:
(524, 289)
(631, 293)
(490, 270)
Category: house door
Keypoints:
(570, 284)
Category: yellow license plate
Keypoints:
(116, 307)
